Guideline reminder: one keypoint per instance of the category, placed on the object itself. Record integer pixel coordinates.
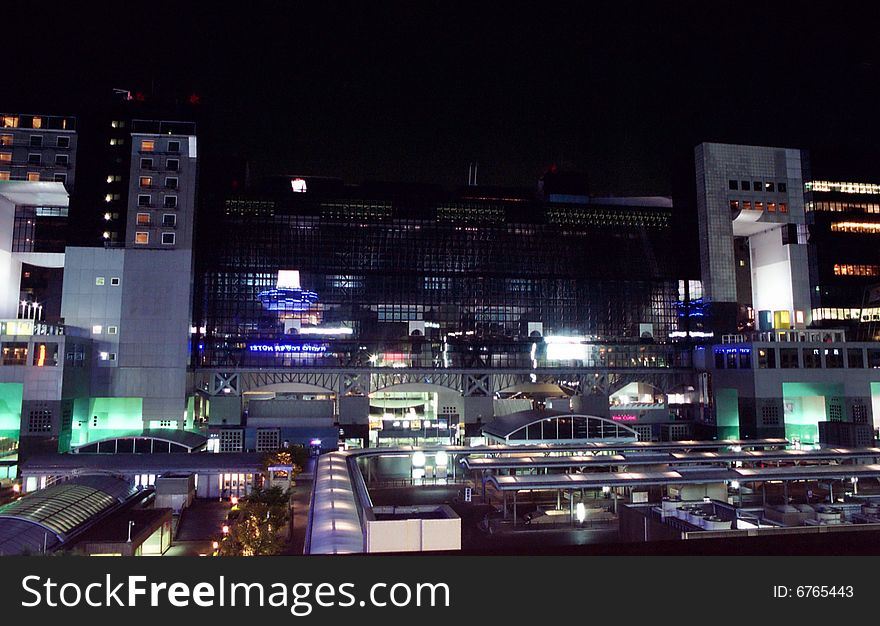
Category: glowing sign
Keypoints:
(625, 418)
(298, 185)
(288, 348)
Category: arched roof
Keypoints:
(189, 440)
(45, 519)
(506, 425)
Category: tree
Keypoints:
(256, 529)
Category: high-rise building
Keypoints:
(844, 223)
(753, 236)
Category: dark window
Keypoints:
(36, 141)
(61, 159)
(833, 357)
(171, 182)
(854, 358)
(170, 202)
(60, 178)
(147, 164)
(63, 141)
(745, 185)
(168, 238)
(766, 358)
(35, 159)
(788, 358)
(731, 184)
(173, 146)
(756, 186)
(745, 360)
(143, 200)
(812, 358)
(731, 360)
(169, 219)
(768, 186)
(172, 164)
(719, 360)
(781, 187)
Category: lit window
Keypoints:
(97, 329)
(143, 219)
(768, 186)
(117, 142)
(4, 175)
(168, 239)
(37, 122)
(33, 177)
(99, 280)
(771, 207)
(5, 157)
(146, 181)
(5, 140)
(142, 238)
(117, 124)
(107, 217)
(759, 206)
(783, 208)
(148, 145)
(106, 234)
(10, 121)
(104, 356)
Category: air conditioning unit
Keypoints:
(417, 329)
(536, 329)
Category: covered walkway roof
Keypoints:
(672, 458)
(701, 475)
(334, 522)
(43, 520)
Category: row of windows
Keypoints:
(170, 182)
(856, 270)
(172, 165)
(843, 207)
(36, 141)
(57, 177)
(98, 329)
(143, 238)
(791, 358)
(36, 158)
(866, 314)
(36, 122)
(756, 185)
(169, 220)
(855, 227)
(149, 145)
(748, 205)
(146, 200)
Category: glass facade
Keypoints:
(436, 280)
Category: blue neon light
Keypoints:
(285, 299)
(288, 348)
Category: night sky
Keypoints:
(416, 92)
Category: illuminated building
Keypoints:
(308, 274)
(753, 236)
(844, 223)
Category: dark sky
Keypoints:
(418, 90)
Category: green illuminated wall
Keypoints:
(10, 409)
(727, 413)
(809, 406)
(116, 416)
